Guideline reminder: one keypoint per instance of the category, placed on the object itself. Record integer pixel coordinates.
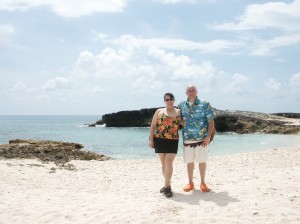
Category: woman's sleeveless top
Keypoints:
(167, 127)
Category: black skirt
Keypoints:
(163, 145)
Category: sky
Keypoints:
(92, 57)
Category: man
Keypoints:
(198, 125)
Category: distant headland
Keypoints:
(242, 122)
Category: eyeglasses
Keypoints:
(169, 100)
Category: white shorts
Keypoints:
(198, 154)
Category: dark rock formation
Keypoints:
(133, 118)
(244, 122)
(288, 115)
(226, 121)
(58, 152)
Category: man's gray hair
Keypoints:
(191, 86)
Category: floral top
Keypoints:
(167, 127)
(195, 119)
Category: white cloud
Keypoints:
(169, 59)
(294, 87)
(282, 17)
(213, 46)
(55, 88)
(66, 8)
(295, 80)
(150, 70)
(131, 68)
(120, 72)
(176, 1)
(182, 67)
(276, 15)
(99, 90)
(135, 69)
(240, 79)
(265, 47)
(85, 65)
(144, 84)
(109, 63)
(19, 86)
(6, 32)
(20, 91)
(57, 83)
(273, 85)
(182, 1)
(238, 84)
(126, 78)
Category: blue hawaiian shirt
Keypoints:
(195, 119)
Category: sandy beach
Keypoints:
(257, 187)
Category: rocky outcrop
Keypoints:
(52, 151)
(244, 122)
(133, 118)
(288, 115)
(226, 121)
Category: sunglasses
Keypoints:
(169, 100)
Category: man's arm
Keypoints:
(211, 127)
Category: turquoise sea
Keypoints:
(124, 143)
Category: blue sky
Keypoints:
(67, 57)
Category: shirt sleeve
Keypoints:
(179, 106)
(210, 114)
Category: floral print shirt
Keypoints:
(167, 127)
(195, 119)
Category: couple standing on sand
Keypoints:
(197, 118)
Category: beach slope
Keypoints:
(258, 187)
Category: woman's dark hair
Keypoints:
(170, 95)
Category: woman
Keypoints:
(164, 138)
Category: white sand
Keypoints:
(260, 187)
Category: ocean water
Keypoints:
(124, 143)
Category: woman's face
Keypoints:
(169, 100)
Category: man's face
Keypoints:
(191, 92)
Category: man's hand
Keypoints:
(206, 141)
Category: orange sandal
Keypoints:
(204, 188)
(189, 187)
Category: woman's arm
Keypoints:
(152, 128)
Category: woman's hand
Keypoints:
(151, 144)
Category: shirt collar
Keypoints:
(196, 102)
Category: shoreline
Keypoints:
(254, 187)
(222, 145)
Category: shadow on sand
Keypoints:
(194, 197)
